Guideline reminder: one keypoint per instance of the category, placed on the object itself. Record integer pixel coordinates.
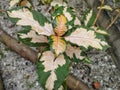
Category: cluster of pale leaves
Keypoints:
(59, 43)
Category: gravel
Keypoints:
(20, 74)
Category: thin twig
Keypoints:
(98, 14)
(113, 21)
(2, 10)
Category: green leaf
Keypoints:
(36, 20)
(52, 70)
(30, 38)
(89, 18)
(84, 37)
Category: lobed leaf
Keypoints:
(57, 44)
(58, 3)
(89, 18)
(13, 3)
(72, 51)
(35, 38)
(25, 18)
(51, 68)
(61, 27)
(99, 30)
(82, 37)
(68, 12)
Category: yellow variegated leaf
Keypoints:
(35, 38)
(99, 30)
(58, 2)
(77, 21)
(67, 14)
(107, 7)
(26, 19)
(88, 16)
(73, 50)
(58, 44)
(13, 2)
(51, 63)
(61, 28)
(82, 37)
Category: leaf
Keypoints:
(57, 44)
(26, 19)
(100, 31)
(89, 18)
(106, 7)
(13, 2)
(24, 3)
(73, 50)
(28, 41)
(60, 28)
(46, 1)
(77, 21)
(35, 38)
(68, 12)
(82, 37)
(50, 68)
(58, 3)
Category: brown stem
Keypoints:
(31, 55)
(1, 83)
(1, 10)
(98, 14)
(113, 21)
(18, 47)
(75, 84)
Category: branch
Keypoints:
(31, 55)
(98, 14)
(113, 21)
(18, 47)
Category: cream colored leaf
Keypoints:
(89, 15)
(107, 7)
(99, 30)
(58, 2)
(51, 63)
(35, 38)
(82, 37)
(73, 50)
(26, 19)
(13, 2)
(58, 44)
(77, 21)
(67, 14)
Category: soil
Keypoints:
(20, 74)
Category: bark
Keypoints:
(31, 55)
(18, 47)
